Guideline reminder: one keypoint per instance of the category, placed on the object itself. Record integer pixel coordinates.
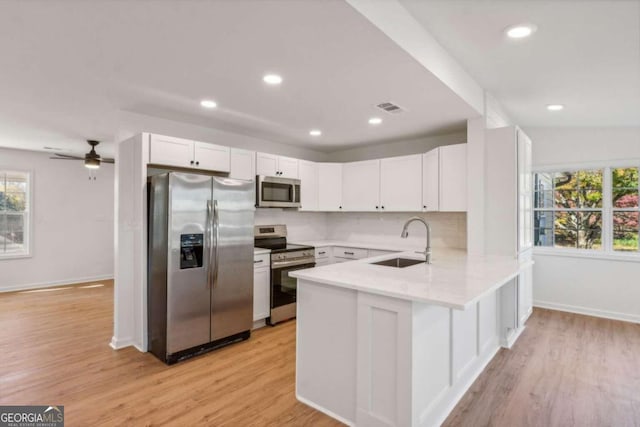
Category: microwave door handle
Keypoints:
(216, 232)
(209, 233)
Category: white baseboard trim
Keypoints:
(119, 343)
(634, 318)
(325, 411)
(51, 284)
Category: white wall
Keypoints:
(398, 148)
(449, 229)
(583, 145)
(133, 123)
(72, 223)
(601, 287)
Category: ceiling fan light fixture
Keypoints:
(90, 163)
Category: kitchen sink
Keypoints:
(399, 262)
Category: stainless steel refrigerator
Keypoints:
(200, 271)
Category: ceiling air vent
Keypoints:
(390, 108)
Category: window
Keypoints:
(624, 200)
(593, 209)
(14, 213)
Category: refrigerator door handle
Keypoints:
(210, 243)
(216, 226)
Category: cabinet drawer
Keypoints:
(322, 253)
(261, 260)
(349, 253)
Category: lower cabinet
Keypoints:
(261, 282)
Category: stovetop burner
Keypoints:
(274, 237)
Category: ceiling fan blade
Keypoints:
(107, 160)
(67, 156)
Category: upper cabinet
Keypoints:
(401, 183)
(308, 172)
(361, 186)
(431, 180)
(272, 165)
(243, 164)
(329, 187)
(184, 153)
(453, 178)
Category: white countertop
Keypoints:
(454, 279)
(261, 251)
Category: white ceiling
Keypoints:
(585, 55)
(68, 67)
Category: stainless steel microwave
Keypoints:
(276, 192)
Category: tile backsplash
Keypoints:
(449, 229)
(300, 225)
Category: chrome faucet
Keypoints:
(405, 234)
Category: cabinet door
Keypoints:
(261, 293)
(361, 186)
(288, 167)
(243, 164)
(211, 157)
(308, 185)
(453, 178)
(525, 192)
(266, 164)
(401, 183)
(329, 187)
(170, 151)
(431, 180)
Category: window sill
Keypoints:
(589, 254)
(14, 256)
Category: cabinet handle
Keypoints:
(376, 207)
(321, 253)
(339, 207)
(191, 161)
(197, 163)
(348, 253)
(424, 207)
(383, 207)
(258, 262)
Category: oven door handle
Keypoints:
(285, 264)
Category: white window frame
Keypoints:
(607, 251)
(29, 222)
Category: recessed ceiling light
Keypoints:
(207, 103)
(315, 132)
(375, 120)
(520, 31)
(555, 107)
(272, 79)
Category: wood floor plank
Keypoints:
(55, 349)
(565, 370)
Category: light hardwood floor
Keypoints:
(565, 370)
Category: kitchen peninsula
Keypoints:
(384, 346)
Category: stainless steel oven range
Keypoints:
(284, 259)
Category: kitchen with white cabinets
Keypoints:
(448, 233)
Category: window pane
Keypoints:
(15, 202)
(624, 178)
(625, 240)
(590, 188)
(543, 228)
(12, 233)
(543, 190)
(565, 229)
